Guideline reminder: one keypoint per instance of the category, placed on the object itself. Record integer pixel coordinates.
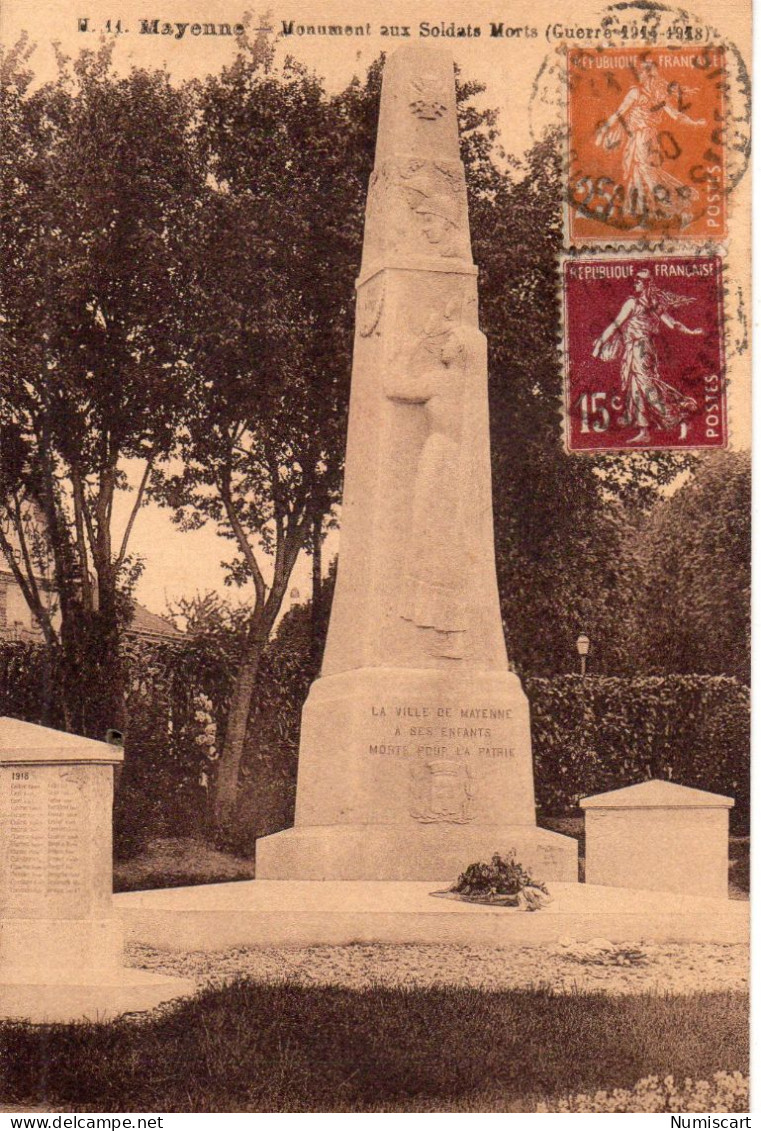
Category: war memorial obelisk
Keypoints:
(415, 752)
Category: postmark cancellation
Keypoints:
(647, 134)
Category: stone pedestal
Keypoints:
(60, 944)
(658, 836)
(415, 751)
(430, 774)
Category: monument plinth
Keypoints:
(415, 753)
(60, 942)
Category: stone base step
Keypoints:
(124, 990)
(303, 913)
(407, 852)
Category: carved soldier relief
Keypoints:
(431, 378)
(418, 207)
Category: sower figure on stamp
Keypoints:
(650, 191)
(434, 376)
(648, 399)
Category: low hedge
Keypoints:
(589, 735)
(595, 734)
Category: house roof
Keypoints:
(145, 623)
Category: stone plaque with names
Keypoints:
(47, 861)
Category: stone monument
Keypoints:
(415, 752)
(658, 836)
(60, 943)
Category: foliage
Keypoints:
(693, 610)
(724, 1092)
(179, 697)
(160, 790)
(595, 734)
(739, 866)
(561, 521)
(269, 315)
(95, 208)
(29, 685)
(500, 877)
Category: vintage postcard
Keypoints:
(374, 560)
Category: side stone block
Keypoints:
(60, 942)
(658, 836)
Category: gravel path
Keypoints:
(565, 966)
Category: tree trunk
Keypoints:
(225, 793)
(93, 677)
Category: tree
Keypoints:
(98, 183)
(267, 386)
(693, 608)
(279, 248)
(562, 521)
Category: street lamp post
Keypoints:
(582, 647)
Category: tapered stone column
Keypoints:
(415, 754)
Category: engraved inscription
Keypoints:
(66, 833)
(45, 836)
(427, 731)
(27, 836)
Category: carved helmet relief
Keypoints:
(427, 97)
(417, 206)
(435, 196)
(370, 302)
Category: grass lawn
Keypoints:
(172, 862)
(251, 1047)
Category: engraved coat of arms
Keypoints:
(442, 791)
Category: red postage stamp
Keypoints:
(647, 138)
(643, 342)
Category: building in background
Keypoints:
(17, 621)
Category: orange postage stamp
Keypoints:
(647, 143)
